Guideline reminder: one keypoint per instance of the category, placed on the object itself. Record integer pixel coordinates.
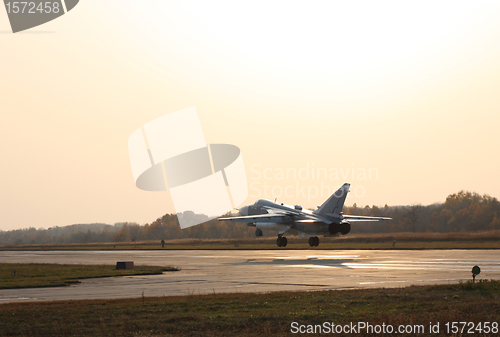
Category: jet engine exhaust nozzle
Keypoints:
(342, 228)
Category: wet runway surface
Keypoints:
(205, 271)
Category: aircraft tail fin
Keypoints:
(335, 203)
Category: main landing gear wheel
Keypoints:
(281, 241)
(314, 241)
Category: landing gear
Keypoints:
(281, 241)
(314, 241)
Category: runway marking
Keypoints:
(406, 281)
(312, 266)
(280, 284)
(19, 298)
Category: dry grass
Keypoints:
(254, 314)
(35, 275)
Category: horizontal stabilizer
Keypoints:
(351, 218)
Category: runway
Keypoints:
(218, 271)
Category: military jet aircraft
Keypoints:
(327, 219)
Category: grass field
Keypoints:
(462, 240)
(258, 314)
(54, 275)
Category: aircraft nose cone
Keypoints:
(244, 210)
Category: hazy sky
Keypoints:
(407, 92)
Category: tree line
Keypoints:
(462, 211)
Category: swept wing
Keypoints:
(276, 217)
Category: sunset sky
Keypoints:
(406, 90)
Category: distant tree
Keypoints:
(495, 223)
(413, 214)
(386, 210)
(375, 211)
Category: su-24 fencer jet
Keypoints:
(327, 219)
